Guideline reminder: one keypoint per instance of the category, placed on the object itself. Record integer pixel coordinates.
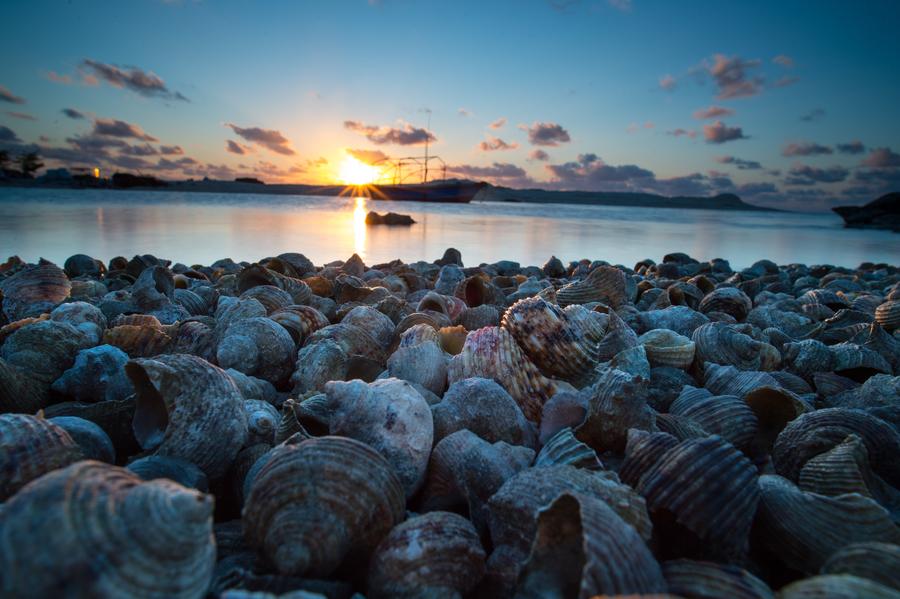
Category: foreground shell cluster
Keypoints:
(279, 428)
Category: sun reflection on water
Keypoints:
(359, 227)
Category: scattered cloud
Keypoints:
(547, 134)
(805, 149)
(785, 81)
(712, 112)
(719, 133)
(406, 135)
(498, 124)
(493, 144)
(851, 147)
(497, 171)
(463, 112)
(8, 135)
(784, 60)
(367, 156)
(733, 77)
(21, 115)
(234, 147)
(562, 5)
(171, 150)
(649, 125)
(620, 5)
(744, 165)
(802, 174)
(590, 172)
(8, 96)
(668, 82)
(117, 128)
(270, 139)
(73, 114)
(816, 114)
(882, 158)
(539, 155)
(682, 132)
(135, 79)
(139, 150)
(57, 78)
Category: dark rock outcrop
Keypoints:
(391, 218)
(883, 213)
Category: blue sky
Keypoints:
(592, 92)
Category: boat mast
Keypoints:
(427, 135)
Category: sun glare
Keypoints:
(356, 172)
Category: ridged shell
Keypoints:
(389, 415)
(603, 554)
(709, 488)
(725, 415)
(858, 363)
(875, 561)
(258, 347)
(680, 427)
(721, 343)
(559, 347)
(874, 337)
(680, 319)
(188, 408)
(271, 297)
(33, 290)
(819, 431)
(44, 350)
(435, 554)
(564, 448)
(492, 353)
(31, 447)
(424, 363)
(605, 284)
(709, 580)
(615, 404)
(318, 364)
(354, 340)
(476, 291)
(842, 586)
(619, 337)
(888, 315)
(475, 318)
(450, 306)
(194, 338)
(183, 472)
(485, 408)
(256, 275)
(844, 469)
(138, 341)
(667, 348)
(300, 321)
(98, 374)
(190, 301)
(728, 380)
(642, 452)
(802, 530)
(729, 300)
(316, 504)
(18, 393)
(90, 521)
(774, 407)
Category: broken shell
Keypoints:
(689, 578)
(183, 472)
(605, 284)
(774, 408)
(729, 300)
(33, 290)
(564, 448)
(668, 348)
(452, 339)
(485, 408)
(31, 447)
(875, 561)
(722, 343)
(315, 504)
(476, 291)
(188, 408)
(258, 347)
(844, 469)
(450, 306)
(98, 374)
(564, 409)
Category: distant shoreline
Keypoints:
(491, 193)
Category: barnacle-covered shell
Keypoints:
(188, 408)
(259, 347)
(605, 284)
(837, 586)
(492, 353)
(389, 415)
(603, 555)
(183, 472)
(92, 522)
(33, 290)
(98, 374)
(729, 300)
(565, 448)
(667, 348)
(709, 580)
(876, 561)
(315, 504)
(722, 343)
(556, 345)
(300, 321)
(485, 408)
(802, 530)
(435, 554)
(423, 363)
(725, 415)
(888, 315)
(30, 447)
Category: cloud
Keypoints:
(268, 138)
(498, 124)
(57, 78)
(809, 175)
(117, 128)
(620, 5)
(497, 171)
(562, 5)
(744, 165)
(234, 147)
(679, 132)
(21, 115)
(813, 115)
(8, 135)
(785, 81)
(492, 144)
(547, 134)
(367, 156)
(668, 82)
(72, 113)
(171, 150)
(712, 112)
(882, 158)
(732, 77)
(805, 149)
(851, 147)
(407, 135)
(539, 155)
(135, 79)
(590, 172)
(463, 112)
(719, 133)
(8, 96)
(784, 60)
(139, 150)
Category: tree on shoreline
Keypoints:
(29, 164)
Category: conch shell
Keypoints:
(729, 300)
(726, 344)
(605, 284)
(258, 347)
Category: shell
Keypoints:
(615, 405)
(888, 315)
(138, 341)
(680, 427)
(31, 447)
(632, 361)
(43, 351)
(605, 284)
(114, 417)
(82, 265)
(389, 415)
(843, 586)
(271, 297)
(858, 363)
(485, 408)
(619, 337)
(317, 504)
(195, 338)
(564, 409)
(603, 554)
(728, 380)
(876, 338)
(844, 469)
(83, 520)
(680, 319)
(492, 353)
(448, 278)
(476, 291)
(18, 393)
(475, 318)
(774, 408)
(729, 300)
(317, 364)
(262, 420)
(377, 324)
(691, 578)
(819, 431)
(85, 317)
(802, 530)
(300, 321)
(33, 290)
(258, 347)
(190, 301)
(564, 448)
(183, 472)
(450, 306)
(434, 554)
(189, 409)
(98, 374)
(721, 343)
(559, 347)
(725, 415)
(95, 444)
(354, 340)
(709, 488)
(879, 562)
(667, 348)
(256, 275)
(424, 363)
(642, 452)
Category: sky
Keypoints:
(788, 104)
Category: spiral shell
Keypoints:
(476, 291)
(680, 319)
(667, 348)
(434, 554)
(354, 340)
(492, 353)
(875, 561)
(729, 300)
(317, 364)
(888, 315)
(299, 321)
(721, 343)
(98, 374)
(615, 404)
(604, 554)
(475, 318)
(195, 338)
(316, 504)
(565, 448)
(369, 319)
(605, 284)
(842, 586)
(258, 347)
(271, 297)
(689, 578)
(256, 275)
(189, 409)
(485, 408)
(31, 447)
(424, 363)
(33, 290)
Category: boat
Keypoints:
(449, 191)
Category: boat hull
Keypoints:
(454, 193)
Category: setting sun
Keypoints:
(356, 172)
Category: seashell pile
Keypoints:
(278, 429)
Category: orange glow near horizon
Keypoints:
(355, 172)
(359, 227)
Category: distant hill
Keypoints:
(723, 201)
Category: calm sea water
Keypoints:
(203, 227)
